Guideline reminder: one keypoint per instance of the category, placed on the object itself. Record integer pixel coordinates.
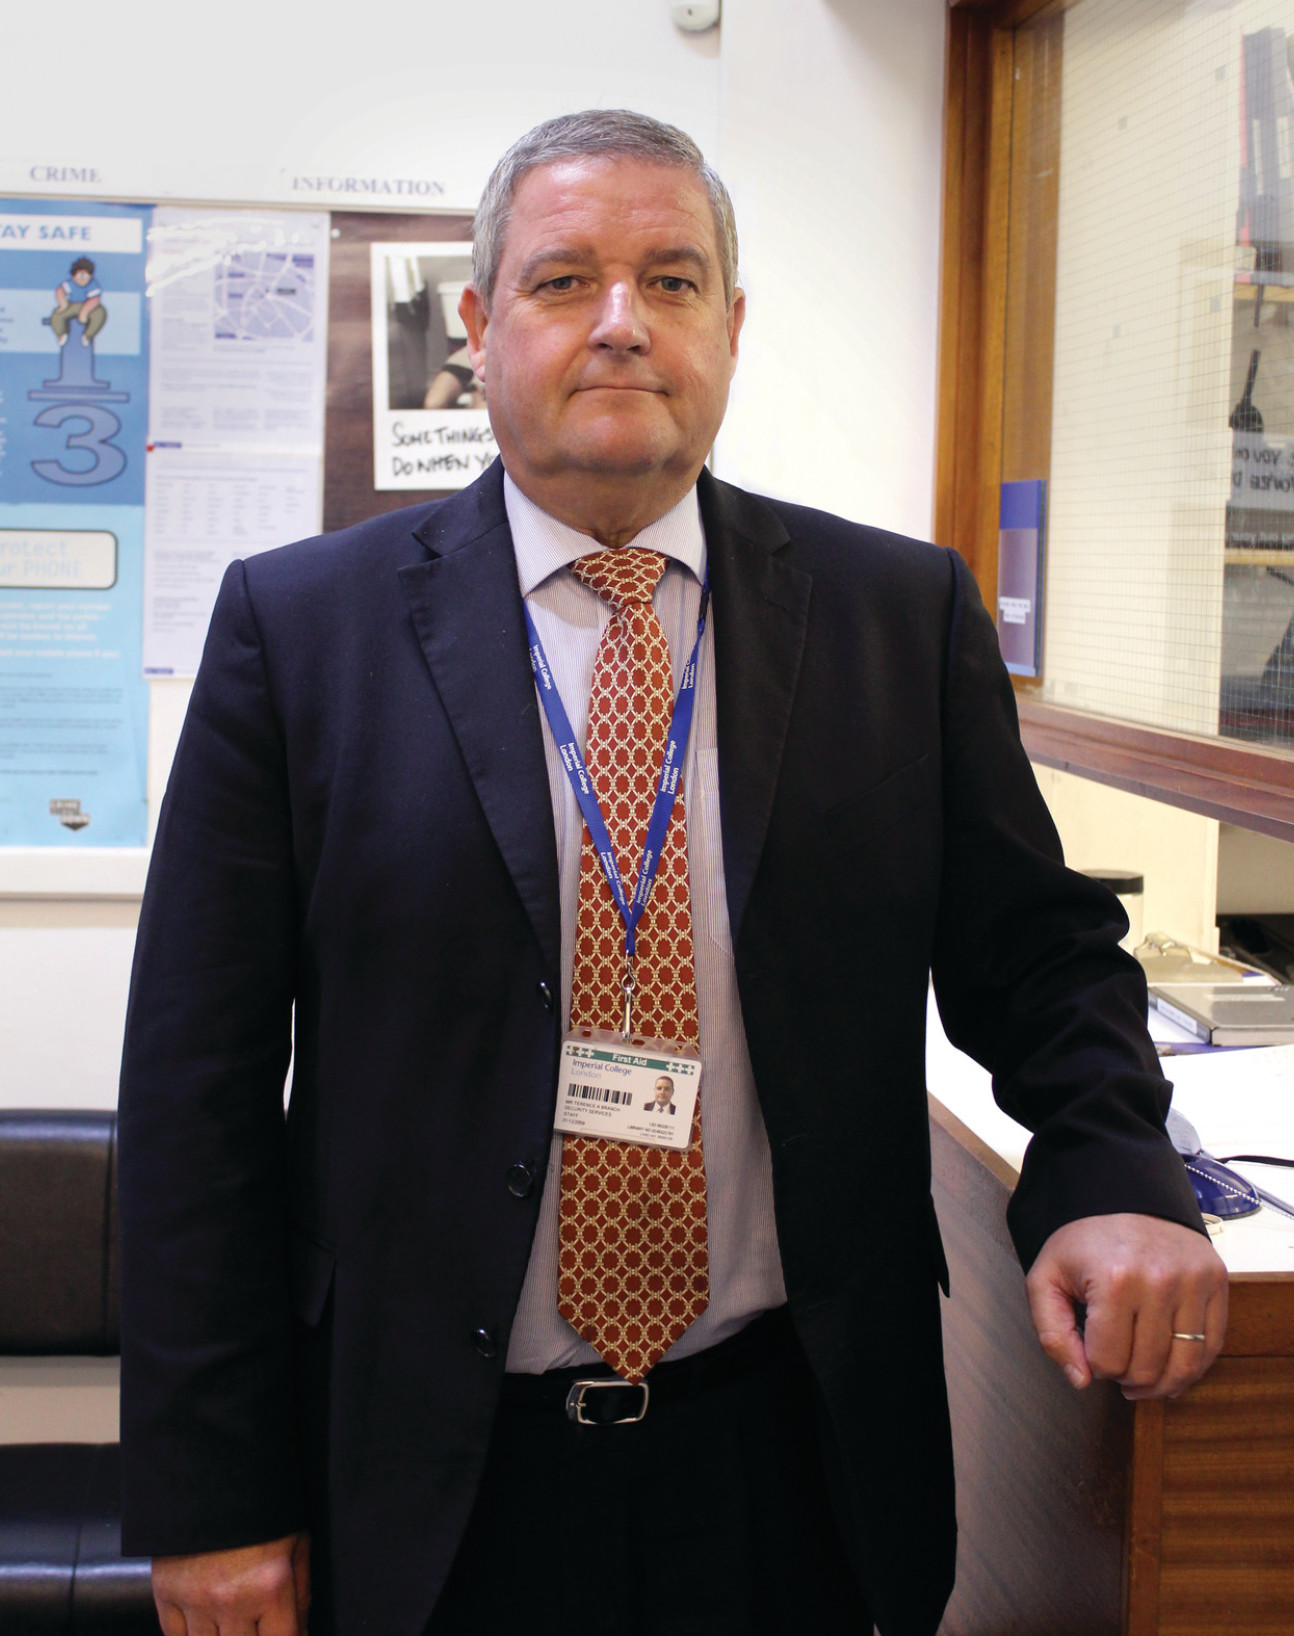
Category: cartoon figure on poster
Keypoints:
(78, 299)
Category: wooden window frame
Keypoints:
(1237, 782)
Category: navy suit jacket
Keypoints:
(356, 858)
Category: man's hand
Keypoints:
(256, 1590)
(1142, 1280)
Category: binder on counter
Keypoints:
(1229, 1013)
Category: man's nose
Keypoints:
(620, 325)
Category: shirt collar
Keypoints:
(543, 545)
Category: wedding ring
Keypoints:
(1178, 1336)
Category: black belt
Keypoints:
(596, 1395)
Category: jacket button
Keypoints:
(484, 1342)
(546, 995)
(520, 1180)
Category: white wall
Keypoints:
(825, 116)
(1255, 873)
(831, 140)
(1176, 851)
(175, 101)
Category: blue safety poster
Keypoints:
(73, 430)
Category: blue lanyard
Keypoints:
(676, 741)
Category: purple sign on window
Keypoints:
(1019, 576)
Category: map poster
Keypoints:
(430, 426)
(236, 413)
(73, 426)
(240, 329)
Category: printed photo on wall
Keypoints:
(430, 428)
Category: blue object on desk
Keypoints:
(1218, 1191)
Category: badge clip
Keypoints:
(628, 985)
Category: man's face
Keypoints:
(664, 1091)
(607, 348)
(82, 278)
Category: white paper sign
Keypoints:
(237, 376)
(203, 511)
(430, 426)
(1262, 472)
(107, 234)
(46, 559)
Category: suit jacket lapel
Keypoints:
(466, 607)
(761, 611)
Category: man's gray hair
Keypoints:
(614, 133)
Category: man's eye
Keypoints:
(564, 281)
(673, 284)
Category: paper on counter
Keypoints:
(1260, 1243)
(1239, 1101)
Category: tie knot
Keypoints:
(622, 577)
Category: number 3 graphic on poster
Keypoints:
(101, 427)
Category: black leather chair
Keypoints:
(61, 1567)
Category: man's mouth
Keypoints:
(622, 386)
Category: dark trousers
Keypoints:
(707, 1518)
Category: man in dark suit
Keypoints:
(348, 1326)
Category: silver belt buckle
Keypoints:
(575, 1401)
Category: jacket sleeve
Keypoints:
(209, 1444)
(1028, 973)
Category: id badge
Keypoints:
(627, 1091)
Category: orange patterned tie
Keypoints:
(633, 1269)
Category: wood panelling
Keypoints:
(1217, 777)
(1005, 13)
(1030, 337)
(1227, 1538)
(1079, 1514)
(1260, 1322)
(961, 352)
(976, 196)
(1000, 189)
(1145, 1521)
(992, 378)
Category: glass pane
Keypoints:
(1150, 355)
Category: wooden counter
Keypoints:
(1084, 1515)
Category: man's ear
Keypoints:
(736, 318)
(476, 316)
